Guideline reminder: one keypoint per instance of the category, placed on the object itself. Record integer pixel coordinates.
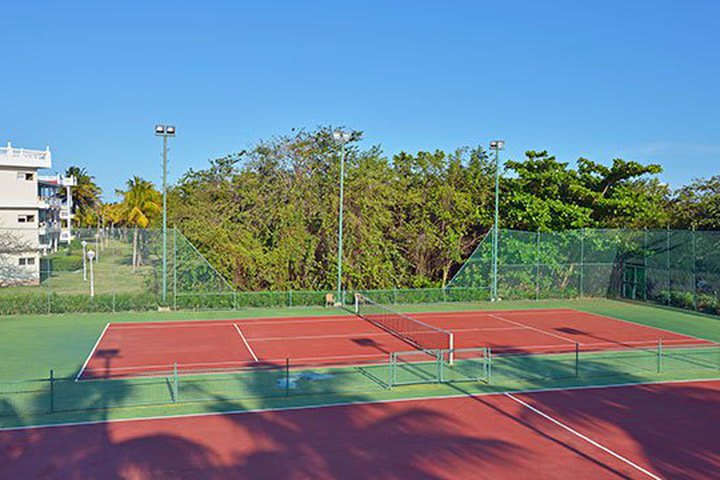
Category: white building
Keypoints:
(34, 220)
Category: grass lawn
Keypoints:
(113, 274)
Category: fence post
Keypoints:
(175, 383)
(489, 364)
(52, 391)
(290, 298)
(645, 265)
(439, 363)
(577, 360)
(669, 283)
(287, 376)
(537, 265)
(174, 268)
(582, 262)
(694, 271)
(659, 355)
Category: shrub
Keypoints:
(66, 263)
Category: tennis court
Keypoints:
(142, 349)
(631, 432)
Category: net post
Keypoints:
(175, 382)
(52, 391)
(287, 376)
(357, 303)
(659, 355)
(577, 359)
(451, 352)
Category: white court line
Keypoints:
(92, 352)
(344, 404)
(368, 334)
(583, 437)
(241, 364)
(226, 322)
(246, 342)
(533, 328)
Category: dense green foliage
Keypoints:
(267, 218)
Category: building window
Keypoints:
(26, 218)
(26, 176)
(26, 261)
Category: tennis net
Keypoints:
(412, 331)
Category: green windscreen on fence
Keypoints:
(678, 268)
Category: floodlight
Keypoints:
(342, 136)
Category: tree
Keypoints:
(85, 196)
(697, 205)
(141, 203)
(545, 194)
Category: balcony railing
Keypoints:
(25, 158)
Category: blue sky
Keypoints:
(638, 80)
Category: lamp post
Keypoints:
(91, 255)
(164, 131)
(496, 145)
(84, 245)
(342, 138)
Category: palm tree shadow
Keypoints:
(100, 449)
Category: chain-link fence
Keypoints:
(496, 371)
(678, 268)
(105, 270)
(136, 269)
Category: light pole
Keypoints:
(97, 246)
(496, 145)
(164, 131)
(84, 245)
(342, 138)
(91, 255)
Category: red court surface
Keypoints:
(636, 432)
(131, 349)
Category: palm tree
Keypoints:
(140, 204)
(85, 196)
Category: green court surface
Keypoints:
(34, 345)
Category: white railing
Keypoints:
(50, 201)
(24, 157)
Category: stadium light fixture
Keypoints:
(496, 145)
(164, 131)
(341, 137)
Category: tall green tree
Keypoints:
(697, 206)
(85, 196)
(140, 205)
